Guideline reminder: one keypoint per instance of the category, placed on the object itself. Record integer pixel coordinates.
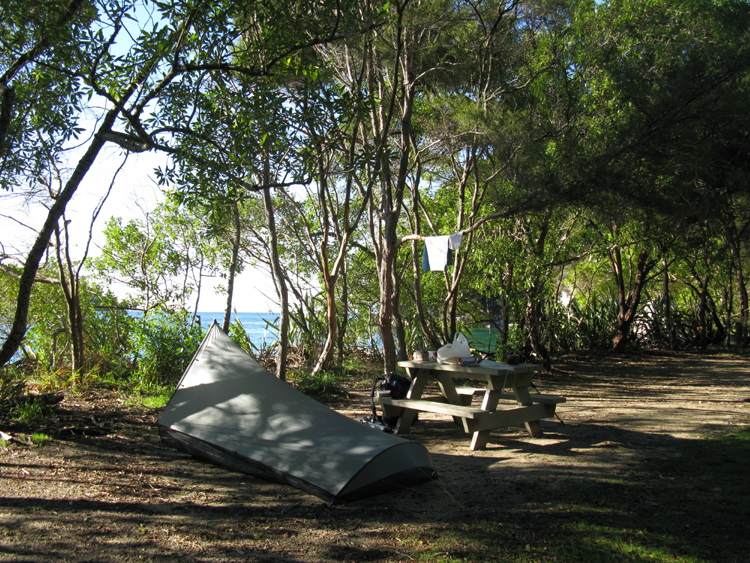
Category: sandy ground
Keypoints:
(107, 489)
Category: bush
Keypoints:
(30, 411)
(321, 384)
(163, 345)
(12, 387)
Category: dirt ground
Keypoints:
(107, 489)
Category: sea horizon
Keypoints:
(259, 326)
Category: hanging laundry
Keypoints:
(437, 251)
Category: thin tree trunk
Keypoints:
(743, 337)
(504, 331)
(344, 314)
(31, 265)
(719, 326)
(534, 320)
(735, 237)
(329, 277)
(70, 287)
(398, 321)
(427, 331)
(669, 325)
(278, 274)
(232, 265)
(326, 355)
(702, 328)
(386, 305)
(729, 300)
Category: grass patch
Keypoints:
(30, 412)
(150, 397)
(323, 383)
(39, 439)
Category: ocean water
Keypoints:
(482, 339)
(257, 328)
(256, 324)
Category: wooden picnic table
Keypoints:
(502, 382)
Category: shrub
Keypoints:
(320, 384)
(163, 345)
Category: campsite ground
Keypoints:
(626, 478)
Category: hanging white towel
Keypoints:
(435, 253)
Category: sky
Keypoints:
(134, 191)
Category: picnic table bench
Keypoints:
(503, 382)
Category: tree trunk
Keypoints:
(743, 338)
(31, 265)
(702, 328)
(729, 300)
(718, 324)
(534, 320)
(504, 331)
(630, 300)
(669, 325)
(278, 274)
(385, 319)
(429, 334)
(735, 238)
(232, 265)
(329, 276)
(326, 355)
(76, 319)
(70, 287)
(398, 320)
(344, 314)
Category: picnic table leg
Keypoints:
(448, 389)
(479, 440)
(419, 380)
(405, 421)
(489, 403)
(534, 427)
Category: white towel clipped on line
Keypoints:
(437, 251)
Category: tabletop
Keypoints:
(485, 367)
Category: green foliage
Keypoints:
(161, 257)
(163, 345)
(319, 385)
(46, 101)
(556, 135)
(39, 439)
(121, 349)
(12, 386)
(30, 411)
(238, 333)
(591, 321)
(46, 347)
(153, 397)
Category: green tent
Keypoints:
(230, 410)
